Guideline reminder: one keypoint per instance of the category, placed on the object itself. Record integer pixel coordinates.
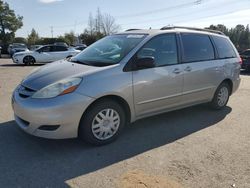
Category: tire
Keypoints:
(221, 96)
(97, 127)
(29, 60)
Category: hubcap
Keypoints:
(223, 96)
(29, 60)
(105, 124)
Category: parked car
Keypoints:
(17, 47)
(80, 47)
(61, 44)
(245, 56)
(34, 47)
(125, 77)
(0, 51)
(44, 54)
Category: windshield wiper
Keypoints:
(78, 62)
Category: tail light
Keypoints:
(240, 62)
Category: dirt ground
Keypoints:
(190, 148)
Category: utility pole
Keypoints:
(52, 31)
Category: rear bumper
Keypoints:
(61, 115)
(236, 84)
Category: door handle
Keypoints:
(188, 69)
(177, 71)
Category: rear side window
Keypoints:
(224, 47)
(197, 47)
(59, 48)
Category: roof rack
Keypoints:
(192, 28)
(132, 29)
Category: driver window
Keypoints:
(162, 48)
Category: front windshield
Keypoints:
(18, 46)
(109, 50)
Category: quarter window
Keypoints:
(197, 47)
(162, 48)
(225, 49)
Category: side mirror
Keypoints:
(145, 63)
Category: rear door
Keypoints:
(159, 88)
(201, 71)
(43, 55)
(59, 52)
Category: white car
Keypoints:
(44, 54)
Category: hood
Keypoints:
(53, 72)
(24, 52)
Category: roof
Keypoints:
(173, 29)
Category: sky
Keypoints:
(72, 15)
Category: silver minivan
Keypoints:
(125, 77)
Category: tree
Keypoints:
(108, 25)
(9, 23)
(239, 35)
(20, 40)
(70, 38)
(98, 27)
(33, 37)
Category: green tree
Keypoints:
(33, 37)
(70, 38)
(9, 23)
(20, 40)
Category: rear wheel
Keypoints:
(221, 96)
(29, 60)
(102, 123)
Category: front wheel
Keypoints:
(221, 96)
(102, 123)
(29, 60)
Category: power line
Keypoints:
(196, 2)
(178, 16)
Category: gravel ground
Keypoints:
(193, 147)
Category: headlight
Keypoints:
(17, 55)
(61, 87)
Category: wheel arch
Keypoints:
(121, 101)
(229, 82)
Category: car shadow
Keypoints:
(28, 161)
(19, 65)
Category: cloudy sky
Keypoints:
(72, 15)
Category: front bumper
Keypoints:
(17, 60)
(63, 112)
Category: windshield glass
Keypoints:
(109, 50)
(18, 46)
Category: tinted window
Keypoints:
(59, 48)
(45, 49)
(224, 47)
(197, 47)
(162, 48)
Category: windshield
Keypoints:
(109, 50)
(18, 46)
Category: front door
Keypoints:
(159, 88)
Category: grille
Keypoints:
(25, 92)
